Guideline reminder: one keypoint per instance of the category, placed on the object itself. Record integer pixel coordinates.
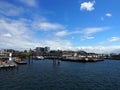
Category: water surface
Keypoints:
(49, 75)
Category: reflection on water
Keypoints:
(56, 62)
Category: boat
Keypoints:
(19, 61)
(38, 57)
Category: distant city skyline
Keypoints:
(90, 25)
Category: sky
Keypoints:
(89, 25)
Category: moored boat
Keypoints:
(38, 57)
(19, 61)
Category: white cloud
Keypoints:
(114, 39)
(31, 3)
(66, 32)
(8, 9)
(86, 33)
(93, 30)
(48, 26)
(61, 33)
(15, 34)
(18, 34)
(87, 38)
(89, 6)
(99, 49)
(7, 35)
(110, 40)
(108, 14)
(57, 44)
(90, 37)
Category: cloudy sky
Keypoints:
(90, 25)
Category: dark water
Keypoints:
(48, 75)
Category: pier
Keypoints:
(7, 62)
(8, 59)
(8, 65)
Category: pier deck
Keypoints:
(8, 65)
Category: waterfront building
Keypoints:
(68, 53)
(39, 49)
(42, 49)
(3, 53)
(47, 49)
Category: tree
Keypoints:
(25, 54)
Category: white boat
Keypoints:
(39, 57)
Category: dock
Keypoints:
(8, 65)
(82, 59)
(19, 61)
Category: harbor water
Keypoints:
(49, 75)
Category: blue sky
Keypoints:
(90, 25)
